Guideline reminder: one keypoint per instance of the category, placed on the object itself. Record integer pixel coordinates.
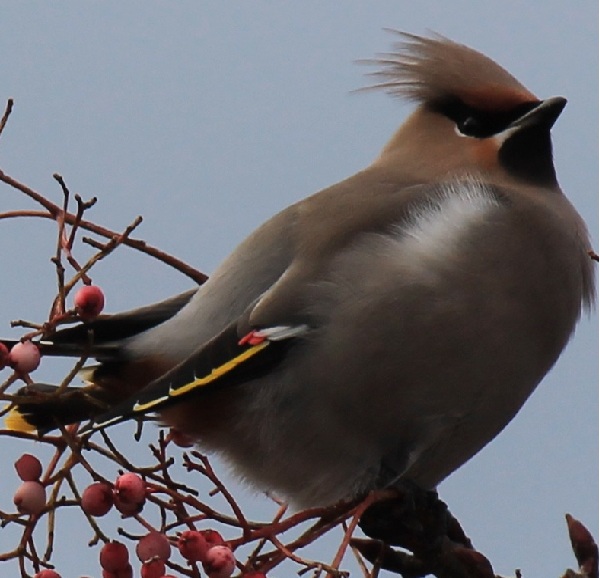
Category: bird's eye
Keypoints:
(468, 121)
(475, 123)
(470, 126)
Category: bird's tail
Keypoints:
(44, 407)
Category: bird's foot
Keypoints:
(418, 521)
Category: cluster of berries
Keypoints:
(128, 496)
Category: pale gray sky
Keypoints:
(207, 117)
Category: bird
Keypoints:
(378, 332)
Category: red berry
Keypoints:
(153, 545)
(30, 498)
(129, 494)
(24, 357)
(29, 468)
(130, 488)
(219, 563)
(97, 499)
(47, 574)
(213, 538)
(114, 557)
(153, 569)
(4, 356)
(89, 302)
(193, 546)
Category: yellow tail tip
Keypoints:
(15, 421)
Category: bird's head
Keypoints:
(472, 116)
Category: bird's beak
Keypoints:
(544, 115)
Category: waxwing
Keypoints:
(380, 331)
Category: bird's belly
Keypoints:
(315, 440)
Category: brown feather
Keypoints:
(429, 69)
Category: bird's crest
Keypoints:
(436, 68)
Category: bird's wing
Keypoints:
(224, 361)
(102, 337)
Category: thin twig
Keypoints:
(7, 111)
(137, 244)
(108, 249)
